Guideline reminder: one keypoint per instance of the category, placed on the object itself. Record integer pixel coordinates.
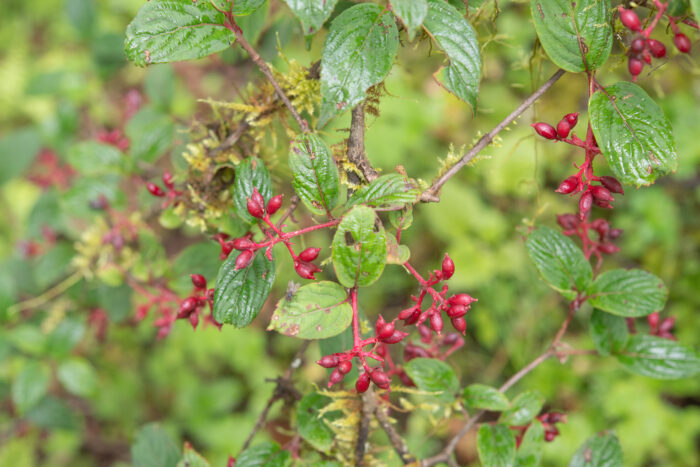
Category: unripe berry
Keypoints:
(194, 320)
(168, 179)
(448, 267)
(460, 324)
(187, 306)
(630, 19)
(362, 383)
(335, 377)
(461, 299)
(436, 322)
(682, 42)
(309, 254)
(635, 66)
(637, 45)
(154, 189)
(612, 184)
(600, 193)
(545, 130)
(380, 378)
(274, 204)
(345, 366)
(386, 331)
(568, 186)
(243, 243)
(656, 48)
(395, 337)
(328, 361)
(199, 281)
(585, 203)
(244, 258)
(563, 128)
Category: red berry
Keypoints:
(448, 267)
(154, 189)
(635, 66)
(563, 128)
(199, 281)
(362, 383)
(637, 45)
(630, 19)
(460, 324)
(335, 377)
(545, 130)
(615, 233)
(305, 269)
(243, 243)
(395, 337)
(386, 331)
(345, 366)
(194, 320)
(380, 378)
(585, 203)
(328, 361)
(436, 322)
(609, 248)
(244, 258)
(226, 249)
(567, 221)
(168, 179)
(415, 316)
(568, 186)
(187, 306)
(461, 299)
(656, 48)
(572, 118)
(255, 208)
(682, 42)
(457, 311)
(309, 254)
(601, 194)
(549, 436)
(653, 320)
(612, 184)
(274, 204)
(646, 56)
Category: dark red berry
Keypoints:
(656, 48)
(612, 184)
(637, 45)
(226, 249)
(335, 377)
(395, 337)
(682, 42)
(274, 204)
(380, 378)
(630, 19)
(585, 203)
(653, 320)
(168, 179)
(328, 361)
(309, 254)
(567, 221)
(243, 243)
(448, 267)
(609, 248)
(199, 281)
(545, 130)
(460, 324)
(386, 331)
(194, 320)
(456, 311)
(549, 436)
(244, 258)
(187, 306)
(405, 314)
(154, 189)
(572, 118)
(255, 208)
(615, 233)
(436, 322)
(635, 66)
(415, 316)
(563, 128)
(305, 269)
(362, 383)
(568, 186)
(646, 56)
(345, 366)
(602, 194)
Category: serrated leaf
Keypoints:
(315, 311)
(659, 358)
(263, 455)
(358, 53)
(240, 7)
(175, 30)
(560, 262)
(359, 248)
(311, 424)
(30, 386)
(481, 396)
(609, 332)
(191, 458)
(629, 293)
(601, 450)
(529, 453)
(93, 158)
(251, 173)
(311, 13)
(315, 173)
(457, 38)
(386, 193)
(411, 13)
(523, 409)
(435, 376)
(496, 445)
(153, 447)
(633, 133)
(577, 36)
(240, 293)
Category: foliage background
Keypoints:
(63, 77)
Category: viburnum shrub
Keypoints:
(258, 217)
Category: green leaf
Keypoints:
(263, 455)
(316, 311)
(358, 53)
(696, 7)
(315, 173)
(65, 337)
(577, 36)
(251, 173)
(659, 358)
(411, 13)
(311, 13)
(17, 151)
(433, 375)
(78, 377)
(53, 413)
(116, 301)
(175, 30)
(200, 258)
(395, 253)
(560, 262)
(359, 248)
(480, 396)
(633, 133)
(529, 453)
(153, 447)
(191, 458)
(389, 192)
(678, 8)
(54, 264)
(240, 293)
(159, 85)
(496, 445)
(150, 134)
(456, 37)
(602, 450)
(83, 16)
(240, 7)
(311, 425)
(30, 386)
(524, 408)
(93, 158)
(629, 293)
(609, 332)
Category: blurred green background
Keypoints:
(63, 79)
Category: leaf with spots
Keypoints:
(601, 450)
(240, 293)
(576, 35)
(311, 13)
(315, 173)
(629, 293)
(175, 30)
(633, 133)
(359, 248)
(316, 311)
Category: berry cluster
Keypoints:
(170, 195)
(661, 328)
(548, 420)
(190, 307)
(573, 225)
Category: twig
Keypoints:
(368, 406)
(293, 203)
(394, 438)
(47, 296)
(431, 194)
(281, 390)
(356, 146)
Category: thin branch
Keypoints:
(431, 194)
(368, 406)
(394, 438)
(356, 146)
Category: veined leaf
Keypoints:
(250, 174)
(359, 248)
(411, 13)
(602, 450)
(386, 193)
(629, 293)
(609, 332)
(480, 396)
(496, 445)
(315, 173)
(433, 375)
(311, 13)
(659, 358)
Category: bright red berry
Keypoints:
(328, 361)
(682, 42)
(194, 320)
(244, 258)
(585, 203)
(460, 324)
(243, 243)
(305, 269)
(572, 118)
(456, 311)
(386, 331)
(656, 48)
(635, 66)
(335, 377)
(461, 299)
(448, 267)
(436, 322)
(154, 189)
(395, 337)
(612, 184)
(199, 281)
(563, 128)
(568, 186)
(362, 383)
(600, 193)
(309, 254)
(187, 306)
(274, 204)
(653, 320)
(545, 130)
(345, 366)
(630, 19)
(255, 209)
(646, 56)
(405, 314)
(667, 325)
(637, 45)
(380, 378)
